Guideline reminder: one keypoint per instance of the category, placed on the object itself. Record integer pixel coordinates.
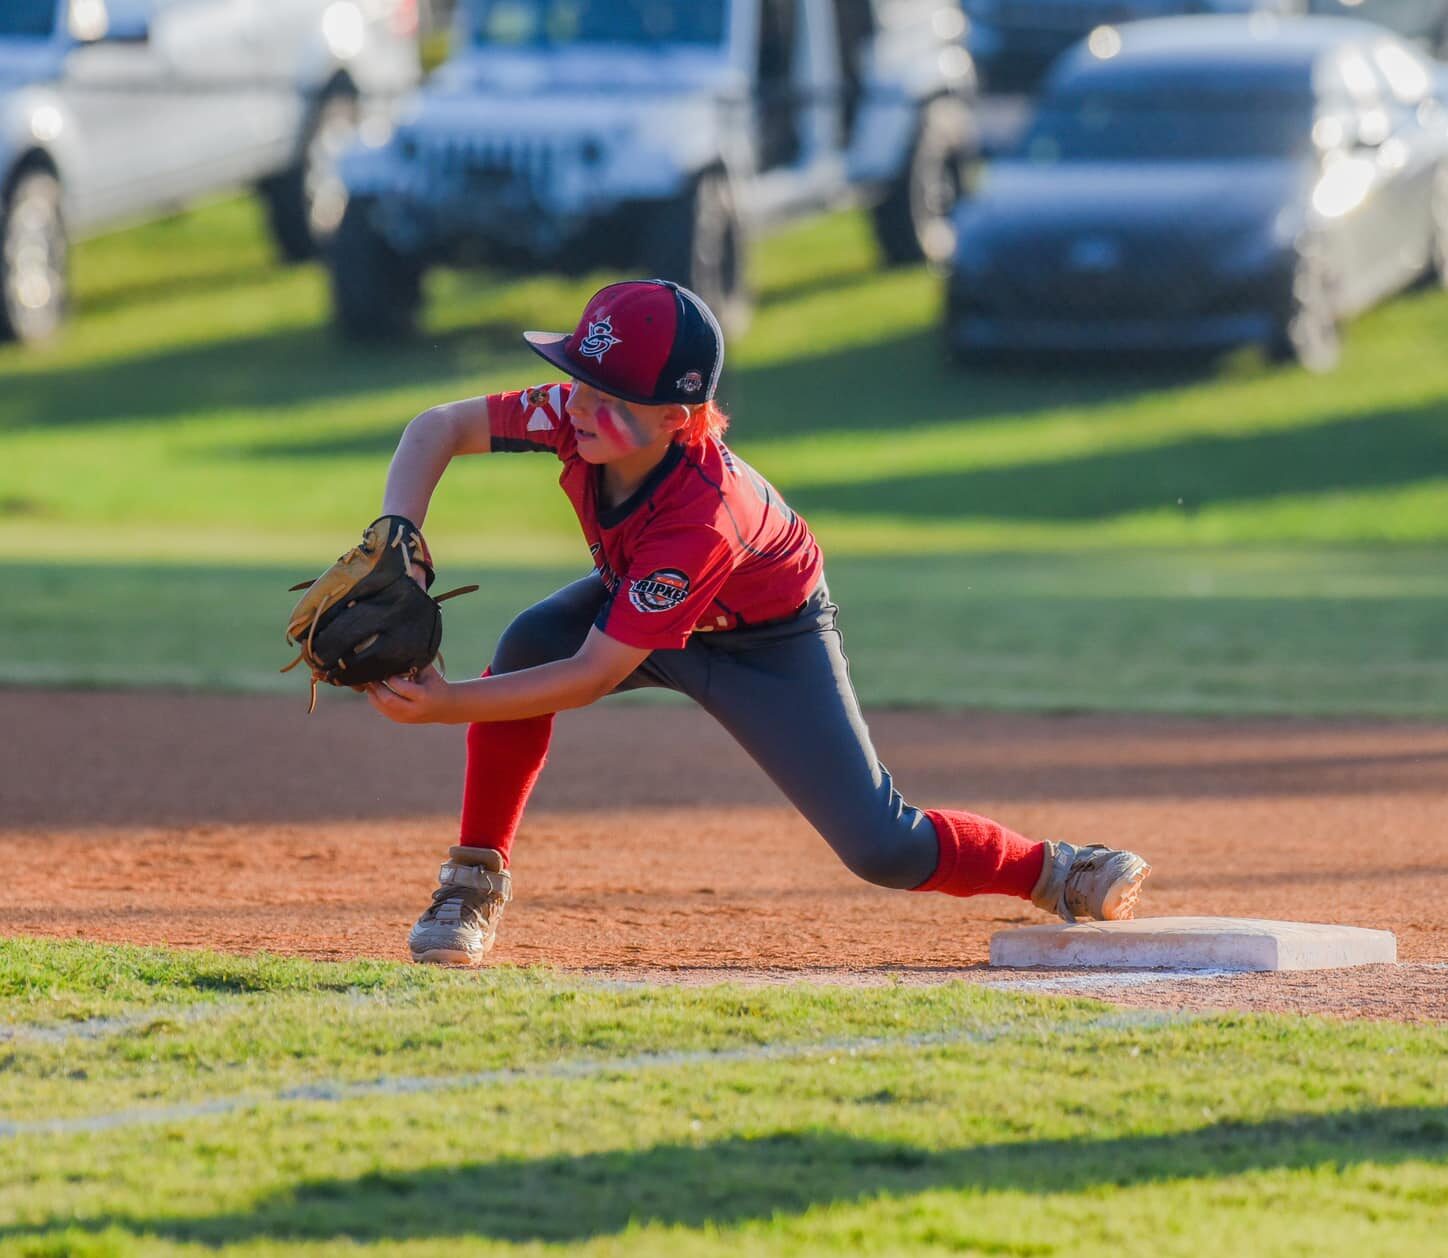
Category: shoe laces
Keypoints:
(455, 905)
(1078, 888)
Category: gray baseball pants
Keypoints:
(783, 692)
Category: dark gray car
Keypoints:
(1014, 42)
(1208, 182)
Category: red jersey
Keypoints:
(705, 543)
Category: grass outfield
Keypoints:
(1145, 538)
(156, 1102)
(1332, 632)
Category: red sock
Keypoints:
(981, 857)
(504, 760)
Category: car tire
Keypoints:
(376, 291)
(959, 350)
(1309, 333)
(698, 240)
(34, 259)
(962, 353)
(306, 202)
(913, 221)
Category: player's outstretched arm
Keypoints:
(428, 444)
(599, 666)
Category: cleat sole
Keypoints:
(1119, 904)
(447, 956)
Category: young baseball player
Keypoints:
(705, 582)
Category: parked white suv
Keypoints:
(657, 135)
(115, 110)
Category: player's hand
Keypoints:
(425, 701)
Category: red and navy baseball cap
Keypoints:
(646, 341)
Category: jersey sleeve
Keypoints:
(668, 589)
(530, 419)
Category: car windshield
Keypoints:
(550, 23)
(27, 17)
(1230, 126)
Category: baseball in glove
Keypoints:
(366, 618)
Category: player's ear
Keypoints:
(675, 416)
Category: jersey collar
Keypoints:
(612, 517)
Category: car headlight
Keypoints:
(1343, 186)
(344, 29)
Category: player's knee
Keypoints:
(533, 638)
(899, 866)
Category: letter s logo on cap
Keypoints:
(600, 339)
(660, 591)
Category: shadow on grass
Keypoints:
(902, 381)
(1392, 448)
(277, 370)
(905, 382)
(895, 384)
(233, 272)
(737, 1180)
(837, 279)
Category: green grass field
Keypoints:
(1237, 541)
(186, 1103)
(1181, 539)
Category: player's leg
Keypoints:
(504, 759)
(785, 695)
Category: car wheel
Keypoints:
(305, 203)
(33, 259)
(697, 240)
(376, 291)
(913, 223)
(1309, 333)
(958, 347)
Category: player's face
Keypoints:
(608, 428)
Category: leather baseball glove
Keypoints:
(367, 618)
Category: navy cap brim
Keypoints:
(552, 346)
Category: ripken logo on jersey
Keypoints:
(660, 591)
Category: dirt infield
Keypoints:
(656, 850)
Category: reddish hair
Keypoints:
(705, 420)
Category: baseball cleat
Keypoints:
(461, 923)
(1094, 882)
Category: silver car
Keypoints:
(657, 135)
(117, 110)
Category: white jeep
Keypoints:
(117, 110)
(657, 135)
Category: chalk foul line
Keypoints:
(1108, 981)
(329, 1092)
